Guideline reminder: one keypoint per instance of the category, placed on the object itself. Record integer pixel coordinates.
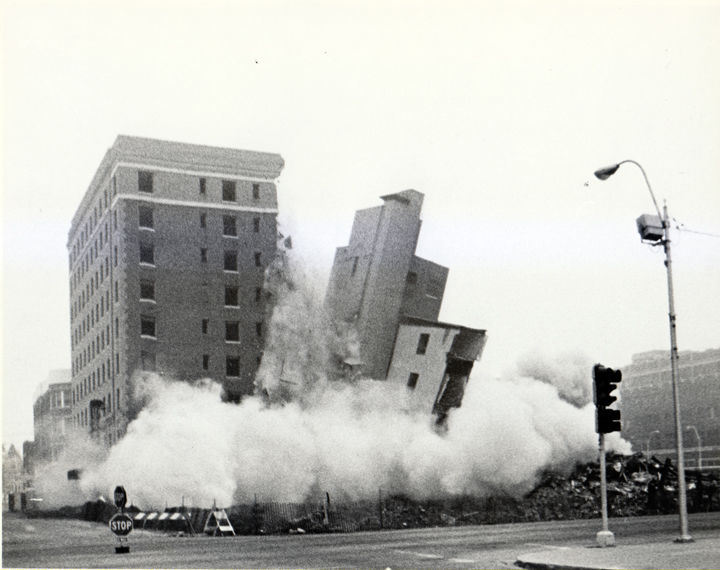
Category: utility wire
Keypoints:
(681, 227)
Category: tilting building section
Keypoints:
(167, 253)
(393, 298)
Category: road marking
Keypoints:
(421, 554)
(462, 561)
(546, 546)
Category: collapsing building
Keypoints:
(393, 298)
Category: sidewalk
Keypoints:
(702, 554)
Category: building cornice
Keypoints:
(167, 156)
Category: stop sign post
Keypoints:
(120, 523)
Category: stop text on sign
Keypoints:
(121, 525)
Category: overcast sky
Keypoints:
(498, 112)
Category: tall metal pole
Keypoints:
(605, 537)
(682, 489)
(604, 174)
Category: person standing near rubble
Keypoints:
(652, 496)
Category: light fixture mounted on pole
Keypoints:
(656, 230)
(699, 442)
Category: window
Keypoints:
(146, 216)
(258, 294)
(259, 329)
(228, 190)
(256, 225)
(147, 253)
(145, 181)
(232, 331)
(413, 380)
(203, 220)
(229, 226)
(205, 323)
(411, 278)
(231, 296)
(203, 255)
(202, 186)
(206, 361)
(147, 360)
(258, 259)
(354, 267)
(147, 326)
(232, 366)
(422, 343)
(256, 191)
(147, 289)
(230, 263)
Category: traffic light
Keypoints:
(605, 381)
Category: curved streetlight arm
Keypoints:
(608, 171)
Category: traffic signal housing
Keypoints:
(605, 381)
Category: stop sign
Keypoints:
(121, 524)
(120, 497)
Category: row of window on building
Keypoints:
(146, 184)
(232, 363)
(230, 257)
(148, 328)
(146, 221)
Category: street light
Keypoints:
(697, 435)
(647, 446)
(658, 237)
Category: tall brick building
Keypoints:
(167, 255)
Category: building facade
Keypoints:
(393, 298)
(52, 420)
(427, 351)
(646, 404)
(13, 480)
(167, 253)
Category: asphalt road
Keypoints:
(44, 543)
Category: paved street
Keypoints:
(42, 543)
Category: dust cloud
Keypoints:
(310, 430)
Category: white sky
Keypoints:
(498, 112)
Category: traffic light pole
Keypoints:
(605, 537)
(682, 489)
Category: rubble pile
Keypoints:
(636, 486)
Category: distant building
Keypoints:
(167, 255)
(393, 298)
(646, 404)
(12, 478)
(51, 420)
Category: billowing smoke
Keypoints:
(568, 372)
(328, 434)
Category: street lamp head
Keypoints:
(607, 172)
